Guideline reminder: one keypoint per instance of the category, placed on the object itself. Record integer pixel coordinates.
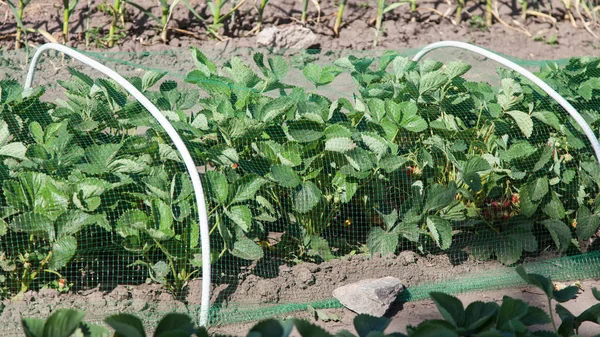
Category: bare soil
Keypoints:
(533, 38)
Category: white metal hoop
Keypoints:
(527, 74)
(179, 145)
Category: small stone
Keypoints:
(370, 296)
(304, 277)
(120, 293)
(287, 37)
(407, 257)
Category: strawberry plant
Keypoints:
(417, 158)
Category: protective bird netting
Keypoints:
(319, 169)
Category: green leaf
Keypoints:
(63, 250)
(319, 247)
(278, 66)
(246, 249)
(471, 172)
(434, 328)
(565, 294)
(365, 325)
(432, 81)
(441, 231)
(224, 154)
(339, 144)
(130, 222)
(203, 64)
(15, 150)
(126, 325)
(380, 241)
(541, 282)
(162, 217)
(548, 118)
(63, 323)
(524, 122)
(99, 158)
(411, 121)
(510, 94)
(241, 216)
(3, 227)
(508, 246)
(33, 327)
(272, 328)
(218, 186)
(554, 208)
(241, 73)
(538, 188)
(456, 69)
(285, 176)
(304, 131)
(587, 223)
(591, 314)
(375, 143)
(174, 322)
(596, 293)
(319, 76)
(439, 196)
(277, 108)
(560, 233)
(480, 315)
(36, 192)
(247, 188)
(150, 78)
(450, 307)
(509, 310)
(518, 150)
(71, 222)
(392, 163)
(34, 224)
(535, 316)
(307, 197)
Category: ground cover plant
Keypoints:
(512, 317)
(420, 158)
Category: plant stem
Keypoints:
(261, 10)
(380, 6)
(111, 30)
(66, 16)
(551, 315)
(524, 5)
(459, 9)
(20, 7)
(217, 13)
(304, 10)
(163, 19)
(488, 13)
(338, 19)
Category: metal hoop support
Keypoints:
(177, 141)
(589, 133)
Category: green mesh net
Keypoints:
(319, 169)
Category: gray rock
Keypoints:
(288, 37)
(304, 277)
(371, 296)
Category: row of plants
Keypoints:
(418, 159)
(511, 318)
(222, 12)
